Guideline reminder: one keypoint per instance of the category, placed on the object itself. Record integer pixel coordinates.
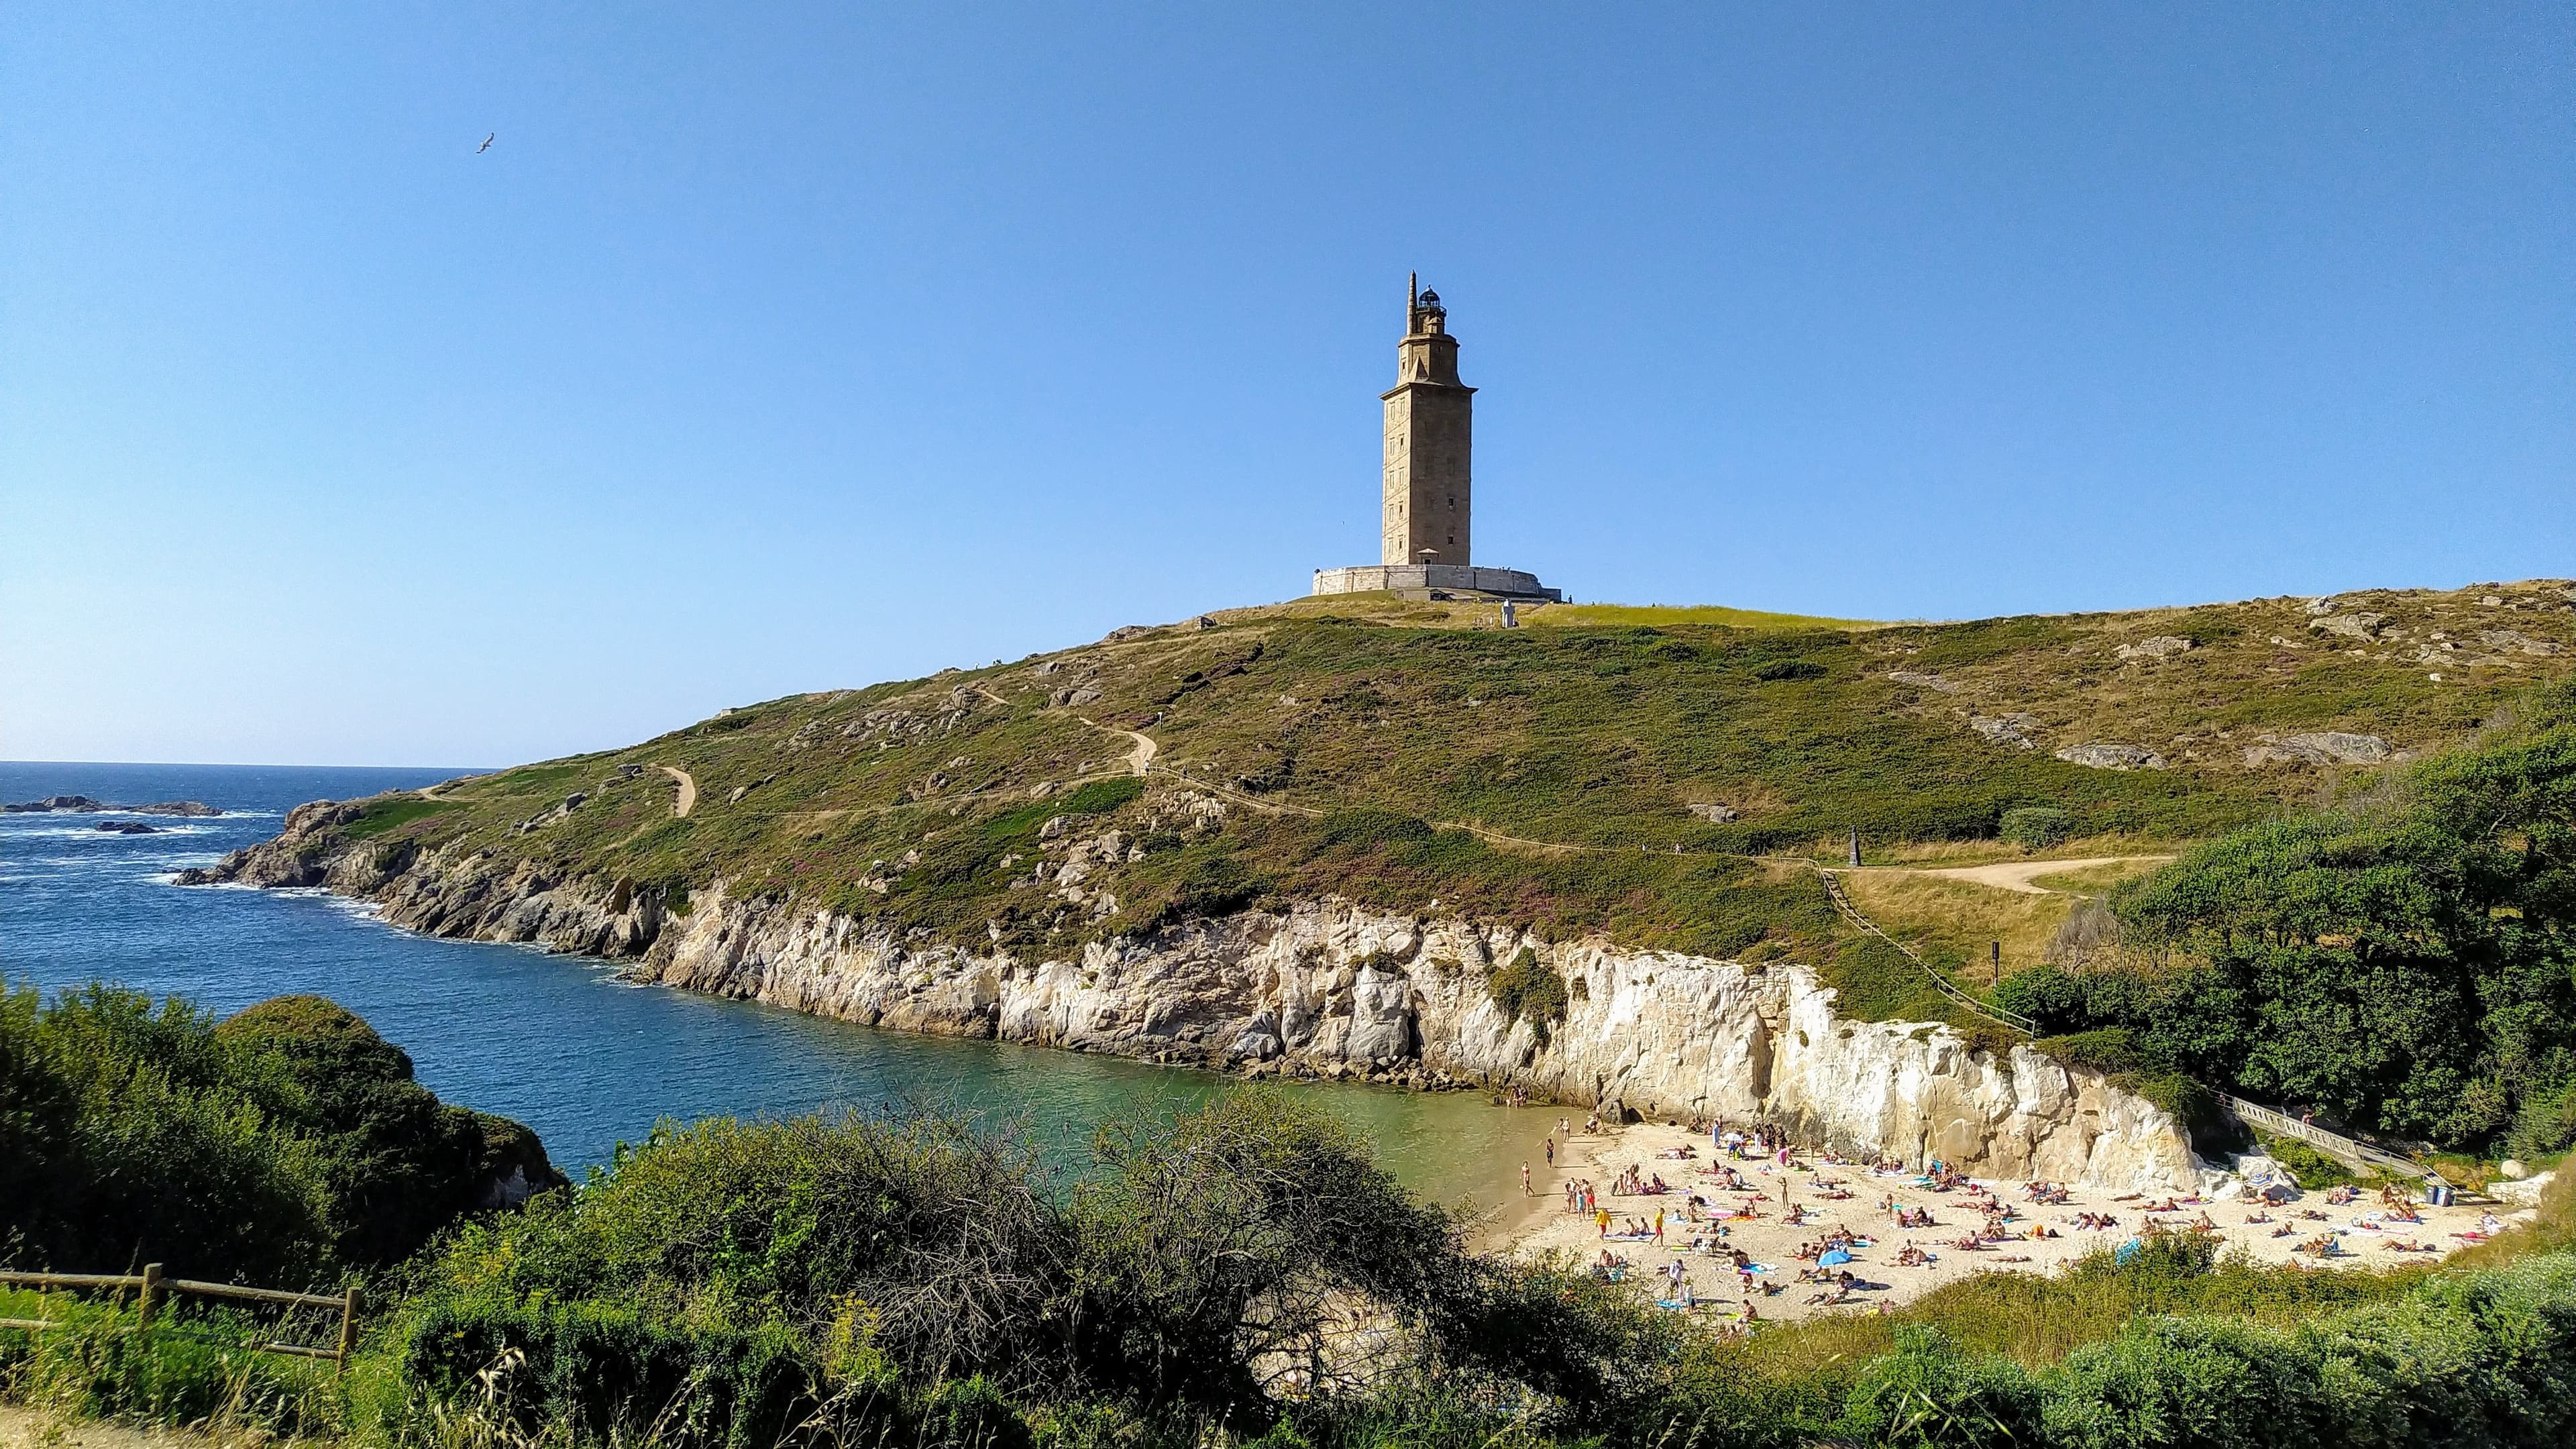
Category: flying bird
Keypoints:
(487, 144)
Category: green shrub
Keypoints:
(2545, 1125)
(2402, 962)
(2313, 1169)
(195, 1365)
(2188, 1381)
(2036, 827)
(1527, 990)
(281, 1145)
(1928, 1392)
(1789, 669)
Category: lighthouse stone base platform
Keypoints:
(1456, 578)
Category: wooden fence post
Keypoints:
(348, 1330)
(151, 1290)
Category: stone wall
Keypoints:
(1371, 578)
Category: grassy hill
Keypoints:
(1642, 771)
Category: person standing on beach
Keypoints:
(1525, 1182)
(1659, 1227)
(1551, 1152)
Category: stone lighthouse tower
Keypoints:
(1426, 502)
(1429, 501)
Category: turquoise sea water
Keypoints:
(557, 1041)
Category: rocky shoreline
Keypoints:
(84, 805)
(1325, 989)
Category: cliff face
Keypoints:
(1327, 988)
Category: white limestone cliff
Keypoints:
(1330, 988)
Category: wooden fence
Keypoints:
(151, 1288)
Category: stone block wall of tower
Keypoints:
(1428, 509)
(1429, 497)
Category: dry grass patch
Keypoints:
(1951, 922)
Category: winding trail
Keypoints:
(688, 800)
(1140, 761)
(2017, 875)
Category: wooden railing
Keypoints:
(2334, 1144)
(151, 1288)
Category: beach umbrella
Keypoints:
(1833, 1259)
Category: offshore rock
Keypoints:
(1325, 989)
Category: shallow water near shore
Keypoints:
(559, 1042)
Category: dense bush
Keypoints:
(283, 1145)
(2403, 962)
(2036, 827)
(862, 1280)
(1525, 989)
(1789, 669)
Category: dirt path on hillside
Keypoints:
(688, 800)
(2017, 875)
(1140, 760)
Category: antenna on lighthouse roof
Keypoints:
(1412, 293)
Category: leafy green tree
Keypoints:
(2405, 961)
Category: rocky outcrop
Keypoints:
(1326, 989)
(2327, 747)
(2361, 626)
(301, 854)
(2110, 755)
(2007, 729)
(2160, 646)
(84, 805)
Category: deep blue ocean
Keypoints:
(559, 1042)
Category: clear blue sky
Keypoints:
(775, 348)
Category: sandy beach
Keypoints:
(1825, 1197)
